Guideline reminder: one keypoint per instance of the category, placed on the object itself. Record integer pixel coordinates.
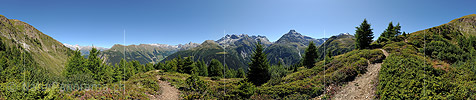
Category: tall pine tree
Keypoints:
(310, 56)
(94, 64)
(258, 68)
(363, 35)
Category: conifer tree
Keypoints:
(215, 68)
(310, 56)
(74, 64)
(363, 35)
(94, 64)
(203, 70)
(390, 33)
(119, 71)
(241, 73)
(397, 30)
(188, 65)
(258, 68)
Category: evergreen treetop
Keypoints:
(363, 35)
(258, 68)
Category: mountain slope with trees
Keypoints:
(144, 53)
(209, 50)
(289, 49)
(336, 45)
(46, 51)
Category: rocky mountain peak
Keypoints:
(292, 32)
(343, 34)
(236, 39)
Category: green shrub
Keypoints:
(406, 76)
(194, 83)
(311, 82)
(246, 89)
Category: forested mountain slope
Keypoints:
(290, 47)
(46, 51)
(144, 53)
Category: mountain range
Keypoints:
(290, 48)
(84, 49)
(238, 48)
(144, 53)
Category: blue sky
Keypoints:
(102, 22)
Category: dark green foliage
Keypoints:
(276, 72)
(307, 83)
(390, 34)
(93, 64)
(230, 73)
(310, 57)
(194, 83)
(80, 70)
(258, 68)
(203, 68)
(35, 91)
(159, 65)
(215, 68)
(18, 69)
(92, 70)
(444, 51)
(241, 73)
(2, 46)
(188, 65)
(246, 89)
(363, 35)
(406, 76)
(76, 66)
(196, 86)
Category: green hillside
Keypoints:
(46, 51)
(336, 45)
(435, 63)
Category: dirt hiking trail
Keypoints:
(363, 87)
(166, 92)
